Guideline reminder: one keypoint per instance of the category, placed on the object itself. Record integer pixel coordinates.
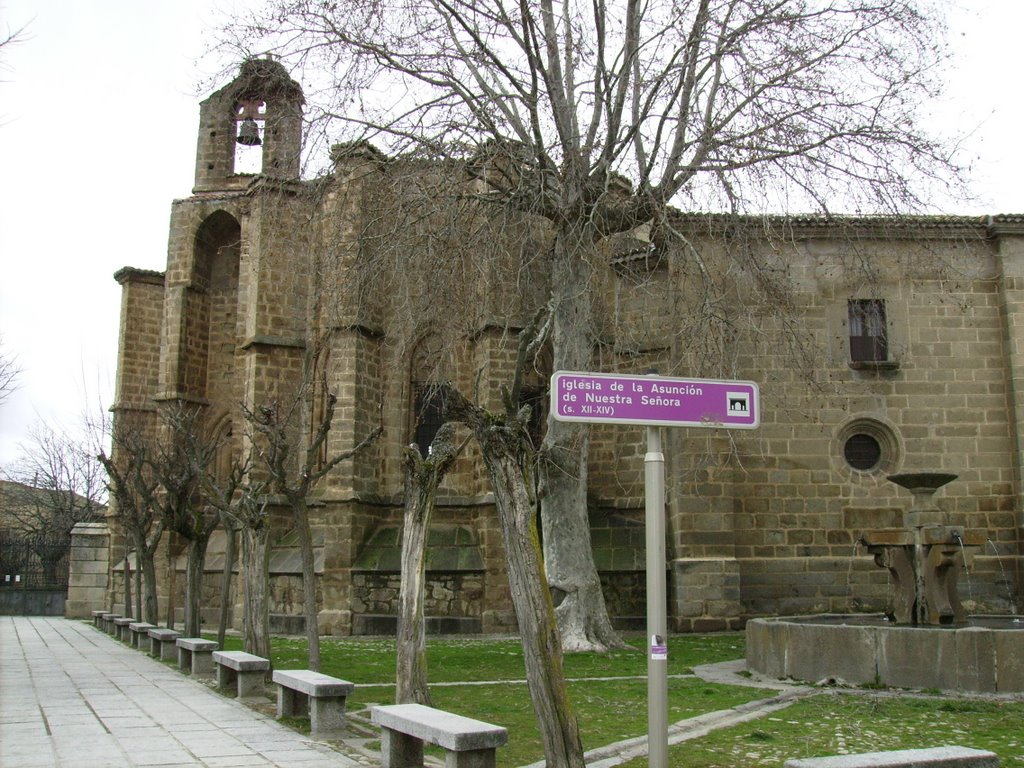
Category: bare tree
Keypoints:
(188, 471)
(134, 490)
(422, 478)
(290, 447)
(65, 481)
(56, 484)
(597, 117)
(508, 454)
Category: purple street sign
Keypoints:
(599, 398)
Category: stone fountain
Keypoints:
(926, 556)
(925, 639)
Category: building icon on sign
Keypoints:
(739, 403)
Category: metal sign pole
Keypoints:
(657, 618)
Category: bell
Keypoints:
(249, 133)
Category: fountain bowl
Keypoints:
(985, 655)
(922, 482)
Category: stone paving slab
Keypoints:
(71, 695)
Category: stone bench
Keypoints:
(107, 622)
(97, 618)
(195, 655)
(405, 728)
(162, 642)
(243, 670)
(140, 630)
(322, 697)
(121, 631)
(940, 757)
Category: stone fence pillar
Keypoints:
(89, 567)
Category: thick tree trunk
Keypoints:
(542, 649)
(411, 647)
(127, 582)
(568, 555)
(422, 478)
(230, 548)
(172, 584)
(145, 572)
(195, 562)
(147, 564)
(507, 461)
(255, 573)
(138, 591)
(301, 514)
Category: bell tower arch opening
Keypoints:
(253, 125)
(250, 127)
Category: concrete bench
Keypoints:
(939, 757)
(243, 670)
(195, 655)
(139, 631)
(97, 618)
(322, 697)
(107, 622)
(121, 631)
(162, 642)
(467, 743)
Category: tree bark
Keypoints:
(127, 581)
(506, 459)
(422, 478)
(194, 567)
(138, 591)
(410, 644)
(147, 565)
(172, 582)
(568, 555)
(255, 573)
(301, 514)
(230, 548)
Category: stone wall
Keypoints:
(89, 567)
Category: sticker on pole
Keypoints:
(659, 649)
(599, 398)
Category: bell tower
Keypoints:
(253, 125)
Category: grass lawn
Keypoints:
(833, 723)
(612, 710)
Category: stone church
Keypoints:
(879, 345)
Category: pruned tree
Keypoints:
(423, 476)
(290, 448)
(135, 489)
(55, 484)
(510, 459)
(597, 117)
(195, 495)
(177, 463)
(227, 489)
(58, 482)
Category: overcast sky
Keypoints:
(98, 120)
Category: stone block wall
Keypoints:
(89, 567)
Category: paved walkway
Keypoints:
(71, 695)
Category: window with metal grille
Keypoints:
(868, 333)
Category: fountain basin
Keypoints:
(984, 656)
